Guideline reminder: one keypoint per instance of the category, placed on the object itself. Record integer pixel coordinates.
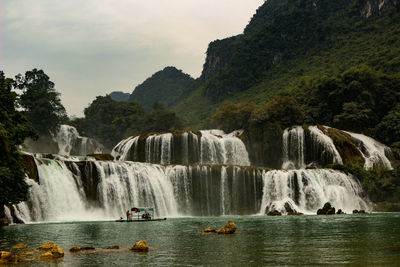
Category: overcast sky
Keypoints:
(94, 47)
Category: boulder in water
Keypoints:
(75, 249)
(326, 210)
(229, 228)
(52, 251)
(141, 246)
(340, 212)
(274, 213)
(210, 230)
(20, 246)
(113, 247)
(362, 212)
(290, 210)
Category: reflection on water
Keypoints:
(300, 240)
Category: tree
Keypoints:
(282, 109)
(40, 101)
(388, 130)
(14, 128)
(230, 116)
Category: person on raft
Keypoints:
(127, 215)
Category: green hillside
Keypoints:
(166, 87)
(286, 40)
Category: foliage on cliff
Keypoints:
(14, 128)
(287, 40)
(109, 121)
(167, 87)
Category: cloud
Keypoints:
(91, 48)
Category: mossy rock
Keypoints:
(344, 145)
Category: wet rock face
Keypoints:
(229, 228)
(141, 246)
(274, 213)
(326, 210)
(20, 246)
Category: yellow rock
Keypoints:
(141, 245)
(209, 230)
(7, 257)
(53, 248)
(20, 245)
(229, 228)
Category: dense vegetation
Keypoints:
(40, 101)
(14, 128)
(167, 87)
(109, 121)
(287, 40)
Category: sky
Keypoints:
(93, 47)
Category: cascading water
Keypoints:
(373, 152)
(323, 146)
(76, 188)
(220, 148)
(95, 190)
(214, 147)
(70, 143)
(307, 190)
(293, 148)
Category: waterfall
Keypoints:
(373, 152)
(159, 148)
(214, 147)
(70, 143)
(99, 190)
(293, 148)
(308, 190)
(122, 150)
(220, 148)
(323, 146)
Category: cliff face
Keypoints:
(284, 30)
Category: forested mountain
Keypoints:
(288, 40)
(167, 87)
(119, 96)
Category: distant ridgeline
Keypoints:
(284, 40)
(203, 173)
(167, 87)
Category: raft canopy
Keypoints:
(136, 210)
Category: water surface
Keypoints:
(372, 239)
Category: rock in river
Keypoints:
(52, 251)
(141, 245)
(229, 228)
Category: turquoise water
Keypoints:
(372, 239)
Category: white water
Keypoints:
(373, 152)
(68, 140)
(293, 148)
(179, 190)
(216, 147)
(311, 190)
(318, 137)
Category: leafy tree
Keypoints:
(388, 130)
(162, 120)
(14, 128)
(40, 101)
(283, 109)
(230, 116)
